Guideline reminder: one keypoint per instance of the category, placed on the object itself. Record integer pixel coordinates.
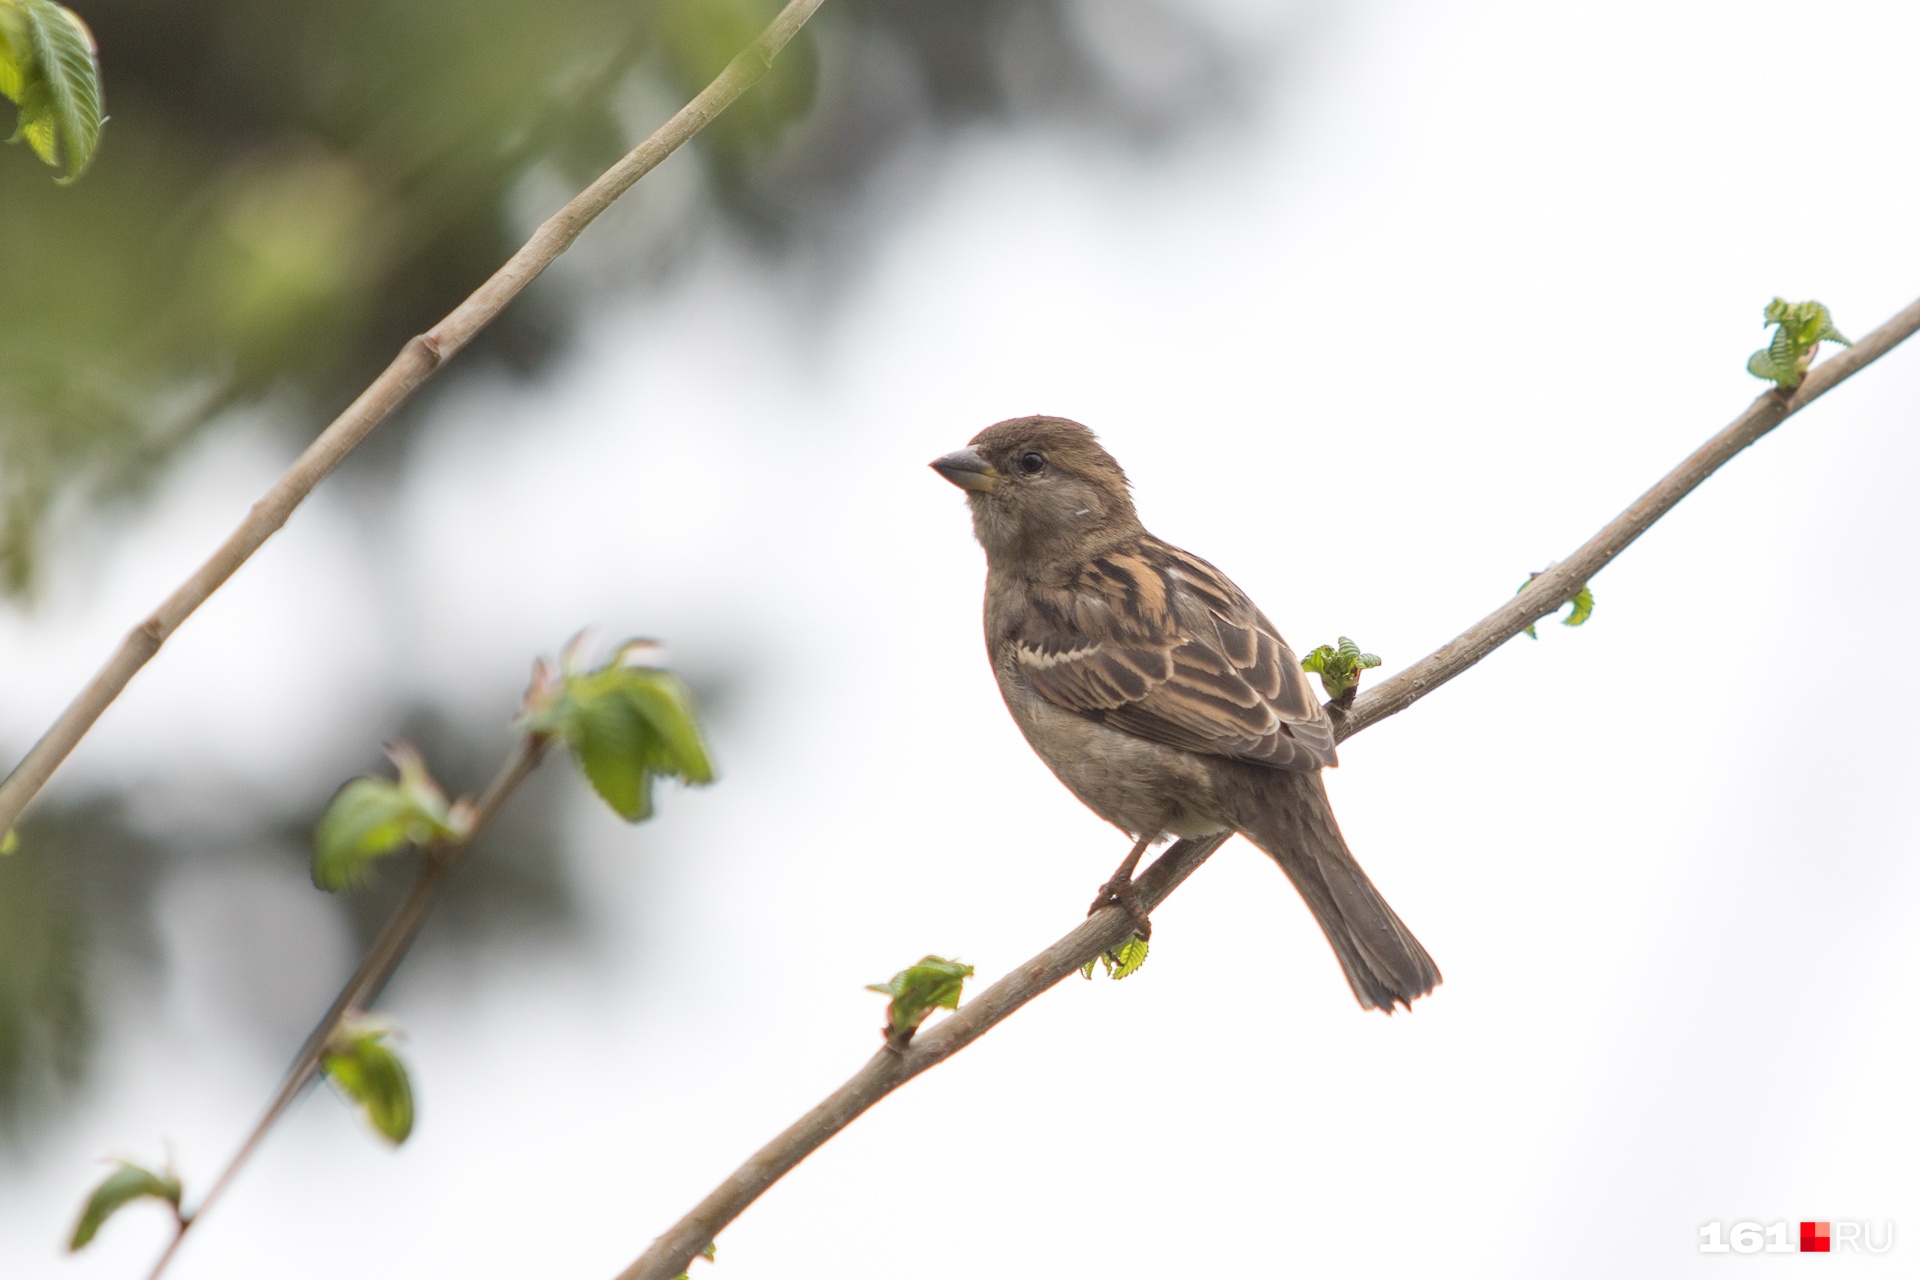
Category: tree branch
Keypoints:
(1557, 585)
(671, 1253)
(888, 1069)
(389, 948)
(417, 361)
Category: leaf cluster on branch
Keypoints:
(627, 723)
(1339, 667)
(1798, 330)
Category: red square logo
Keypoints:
(1816, 1237)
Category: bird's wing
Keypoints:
(1160, 644)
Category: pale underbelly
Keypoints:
(1144, 788)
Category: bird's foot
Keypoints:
(1121, 893)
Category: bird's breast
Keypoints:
(1139, 786)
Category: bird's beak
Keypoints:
(966, 469)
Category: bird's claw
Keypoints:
(1121, 893)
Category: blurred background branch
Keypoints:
(376, 969)
(284, 195)
(289, 195)
(417, 361)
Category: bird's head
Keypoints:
(1040, 488)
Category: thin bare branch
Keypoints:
(671, 1253)
(417, 361)
(389, 948)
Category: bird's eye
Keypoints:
(1032, 462)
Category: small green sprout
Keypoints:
(917, 991)
(1122, 962)
(1582, 601)
(1800, 328)
(1339, 667)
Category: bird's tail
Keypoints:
(1288, 816)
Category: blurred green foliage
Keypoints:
(45, 1028)
(74, 904)
(288, 192)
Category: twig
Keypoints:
(671, 1253)
(417, 361)
(396, 937)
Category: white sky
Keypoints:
(1467, 280)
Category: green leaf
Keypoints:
(1799, 329)
(1127, 958)
(1582, 608)
(48, 69)
(626, 723)
(368, 1073)
(917, 991)
(1122, 962)
(127, 1183)
(609, 739)
(9, 842)
(371, 817)
(1339, 667)
(665, 705)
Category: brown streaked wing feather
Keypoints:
(1160, 644)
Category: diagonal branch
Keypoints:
(395, 939)
(671, 1253)
(417, 361)
(1558, 584)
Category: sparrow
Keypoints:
(1158, 693)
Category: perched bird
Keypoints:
(1157, 692)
